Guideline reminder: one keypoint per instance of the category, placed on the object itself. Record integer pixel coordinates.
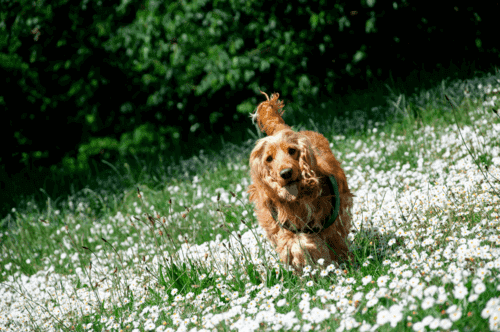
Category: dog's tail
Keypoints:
(268, 115)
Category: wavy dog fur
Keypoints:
(290, 173)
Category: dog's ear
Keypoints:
(328, 165)
(307, 159)
(256, 161)
(253, 193)
(256, 155)
(259, 189)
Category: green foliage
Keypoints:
(58, 244)
(100, 79)
(253, 274)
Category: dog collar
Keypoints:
(327, 222)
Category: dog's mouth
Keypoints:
(292, 183)
(291, 190)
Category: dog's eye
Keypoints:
(291, 151)
(269, 159)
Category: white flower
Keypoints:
(306, 327)
(479, 288)
(430, 291)
(454, 316)
(382, 292)
(382, 281)
(418, 326)
(473, 297)
(395, 317)
(372, 302)
(365, 327)
(343, 302)
(460, 292)
(366, 279)
(350, 281)
(277, 327)
(494, 318)
(321, 261)
(445, 324)
(382, 317)
(309, 283)
(427, 303)
(451, 309)
(358, 296)
(434, 324)
(351, 323)
(149, 326)
(413, 282)
(492, 303)
(427, 320)
(441, 298)
(281, 303)
(486, 312)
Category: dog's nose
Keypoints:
(286, 173)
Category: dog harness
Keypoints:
(327, 222)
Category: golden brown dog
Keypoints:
(295, 176)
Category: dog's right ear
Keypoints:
(256, 155)
(253, 193)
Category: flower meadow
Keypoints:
(191, 257)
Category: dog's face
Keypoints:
(283, 165)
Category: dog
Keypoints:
(301, 196)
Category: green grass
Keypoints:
(426, 226)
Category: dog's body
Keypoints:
(292, 192)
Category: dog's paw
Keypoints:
(305, 249)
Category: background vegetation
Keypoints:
(187, 255)
(95, 83)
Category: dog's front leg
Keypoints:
(302, 249)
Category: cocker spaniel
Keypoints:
(300, 191)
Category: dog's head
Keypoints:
(283, 165)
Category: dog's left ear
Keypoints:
(307, 159)
(328, 165)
